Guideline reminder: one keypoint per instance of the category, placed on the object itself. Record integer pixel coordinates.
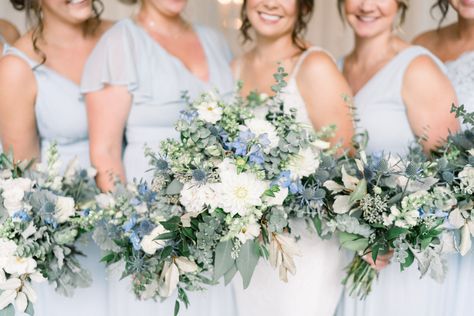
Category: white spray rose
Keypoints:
(149, 244)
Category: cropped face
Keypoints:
(465, 8)
(70, 11)
(369, 18)
(170, 8)
(272, 18)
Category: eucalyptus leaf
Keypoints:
(247, 261)
(223, 260)
(229, 275)
(30, 310)
(8, 311)
(353, 242)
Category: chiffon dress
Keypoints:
(128, 56)
(381, 111)
(61, 118)
(316, 287)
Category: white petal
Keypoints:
(283, 274)
(21, 302)
(7, 298)
(456, 219)
(10, 284)
(342, 204)
(30, 292)
(37, 277)
(465, 240)
(349, 181)
(3, 277)
(185, 265)
(333, 186)
(170, 279)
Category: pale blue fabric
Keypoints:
(61, 117)
(127, 56)
(4, 43)
(382, 112)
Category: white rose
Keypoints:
(149, 244)
(261, 127)
(209, 111)
(64, 209)
(20, 265)
(303, 164)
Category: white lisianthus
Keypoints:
(249, 231)
(466, 176)
(303, 164)
(239, 193)
(261, 127)
(278, 199)
(65, 208)
(209, 111)
(149, 243)
(185, 265)
(20, 265)
(195, 197)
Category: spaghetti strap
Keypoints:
(16, 52)
(303, 56)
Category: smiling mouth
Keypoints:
(269, 17)
(366, 19)
(76, 1)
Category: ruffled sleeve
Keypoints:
(113, 61)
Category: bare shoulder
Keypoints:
(9, 31)
(421, 66)
(15, 71)
(318, 64)
(104, 26)
(424, 73)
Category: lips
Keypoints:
(76, 2)
(270, 18)
(366, 19)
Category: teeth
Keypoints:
(367, 18)
(75, 1)
(269, 17)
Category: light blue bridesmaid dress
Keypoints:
(128, 56)
(461, 269)
(381, 111)
(61, 118)
(3, 41)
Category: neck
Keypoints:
(374, 49)
(465, 28)
(58, 32)
(274, 49)
(167, 24)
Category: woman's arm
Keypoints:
(17, 109)
(428, 95)
(325, 92)
(107, 113)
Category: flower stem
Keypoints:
(360, 277)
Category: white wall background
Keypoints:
(325, 30)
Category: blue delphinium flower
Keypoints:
(189, 115)
(284, 180)
(145, 228)
(263, 140)
(22, 216)
(135, 201)
(256, 155)
(128, 226)
(135, 240)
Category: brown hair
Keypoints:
(402, 3)
(443, 6)
(34, 17)
(304, 10)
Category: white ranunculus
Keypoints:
(278, 199)
(239, 193)
(303, 164)
(20, 265)
(261, 127)
(194, 197)
(149, 244)
(249, 231)
(209, 111)
(65, 208)
(185, 265)
(7, 250)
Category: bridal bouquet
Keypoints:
(39, 225)
(379, 204)
(216, 202)
(455, 163)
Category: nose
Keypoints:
(270, 4)
(367, 5)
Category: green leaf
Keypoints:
(176, 308)
(166, 252)
(353, 242)
(229, 275)
(110, 258)
(409, 260)
(223, 258)
(166, 236)
(171, 224)
(359, 192)
(247, 261)
(318, 224)
(174, 187)
(8, 311)
(425, 243)
(375, 251)
(30, 310)
(188, 232)
(395, 232)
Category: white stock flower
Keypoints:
(261, 127)
(71, 168)
(466, 176)
(149, 243)
(278, 199)
(65, 208)
(209, 111)
(238, 193)
(303, 164)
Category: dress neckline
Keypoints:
(197, 31)
(460, 57)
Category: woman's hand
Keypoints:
(383, 260)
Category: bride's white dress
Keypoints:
(316, 287)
